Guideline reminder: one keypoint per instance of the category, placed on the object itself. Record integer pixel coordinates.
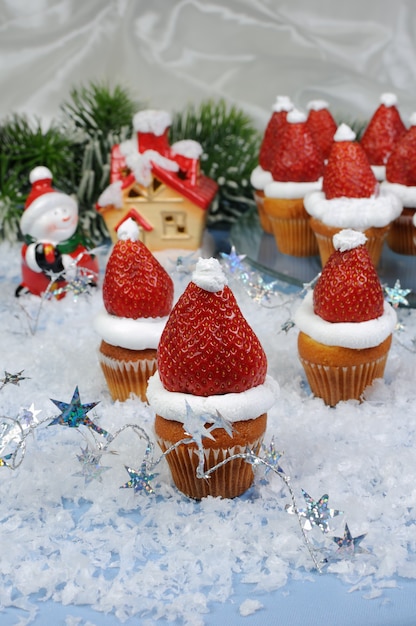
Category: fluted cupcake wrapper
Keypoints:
(290, 225)
(127, 377)
(401, 238)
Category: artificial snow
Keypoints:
(161, 555)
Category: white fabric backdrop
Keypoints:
(172, 52)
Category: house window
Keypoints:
(174, 225)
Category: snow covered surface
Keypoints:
(161, 555)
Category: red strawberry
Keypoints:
(322, 125)
(383, 131)
(273, 131)
(348, 172)
(401, 166)
(297, 157)
(349, 289)
(207, 347)
(135, 284)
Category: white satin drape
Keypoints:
(172, 52)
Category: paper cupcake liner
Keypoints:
(124, 378)
(334, 384)
(401, 238)
(228, 481)
(324, 235)
(263, 217)
(290, 225)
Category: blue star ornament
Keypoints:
(139, 479)
(74, 414)
(397, 295)
(348, 542)
(233, 260)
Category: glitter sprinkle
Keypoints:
(74, 414)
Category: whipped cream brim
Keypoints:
(356, 335)
(233, 407)
(407, 194)
(133, 334)
(359, 213)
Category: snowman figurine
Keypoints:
(53, 248)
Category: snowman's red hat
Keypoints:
(43, 198)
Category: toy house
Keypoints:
(161, 185)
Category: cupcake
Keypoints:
(210, 363)
(351, 197)
(345, 324)
(322, 125)
(382, 133)
(138, 297)
(401, 180)
(297, 168)
(261, 174)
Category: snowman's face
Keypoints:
(57, 224)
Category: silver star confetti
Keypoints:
(233, 261)
(397, 295)
(317, 512)
(139, 479)
(348, 542)
(13, 379)
(91, 468)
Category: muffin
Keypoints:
(210, 365)
(322, 125)
(261, 174)
(345, 324)
(297, 168)
(401, 180)
(138, 297)
(382, 133)
(351, 197)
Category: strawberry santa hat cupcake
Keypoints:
(345, 324)
(211, 365)
(297, 168)
(382, 133)
(138, 297)
(351, 197)
(401, 180)
(261, 175)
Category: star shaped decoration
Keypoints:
(348, 542)
(317, 512)
(91, 468)
(139, 479)
(272, 457)
(28, 418)
(74, 414)
(288, 325)
(184, 264)
(233, 261)
(13, 379)
(397, 295)
(258, 289)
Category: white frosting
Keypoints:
(317, 105)
(348, 239)
(134, 334)
(260, 178)
(357, 335)
(208, 275)
(295, 116)
(359, 213)
(290, 189)
(283, 103)
(406, 194)
(188, 148)
(152, 121)
(128, 230)
(232, 406)
(379, 172)
(413, 119)
(388, 99)
(344, 133)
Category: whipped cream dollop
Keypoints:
(233, 407)
(405, 193)
(134, 334)
(360, 213)
(357, 335)
(317, 105)
(208, 275)
(282, 103)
